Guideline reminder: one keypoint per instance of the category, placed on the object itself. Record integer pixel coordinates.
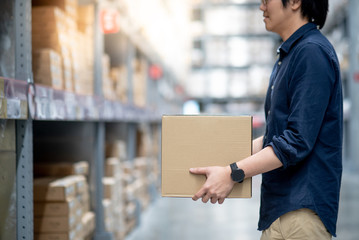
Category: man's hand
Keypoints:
(218, 185)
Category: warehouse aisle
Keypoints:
(173, 218)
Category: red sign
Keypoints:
(155, 72)
(356, 77)
(109, 19)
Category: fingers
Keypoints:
(214, 200)
(200, 171)
(207, 196)
(217, 185)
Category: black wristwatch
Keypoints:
(237, 174)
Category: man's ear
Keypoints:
(295, 4)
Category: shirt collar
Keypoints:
(287, 45)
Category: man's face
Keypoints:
(276, 16)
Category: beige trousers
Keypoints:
(302, 224)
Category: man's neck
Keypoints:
(293, 27)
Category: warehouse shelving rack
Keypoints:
(203, 40)
(27, 109)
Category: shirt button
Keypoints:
(279, 63)
(272, 87)
(269, 112)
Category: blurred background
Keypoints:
(83, 86)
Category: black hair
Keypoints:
(315, 10)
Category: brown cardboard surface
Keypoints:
(56, 209)
(52, 189)
(56, 236)
(200, 141)
(54, 224)
(61, 169)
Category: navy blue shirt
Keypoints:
(304, 121)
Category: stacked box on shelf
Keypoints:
(47, 68)
(107, 83)
(69, 32)
(67, 6)
(148, 147)
(61, 169)
(49, 30)
(83, 50)
(130, 201)
(141, 171)
(119, 78)
(62, 204)
(113, 198)
(116, 149)
(144, 144)
(140, 83)
(117, 165)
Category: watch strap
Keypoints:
(234, 166)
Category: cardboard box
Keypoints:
(86, 14)
(56, 236)
(60, 169)
(116, 149)
(88, 223)
(81, 186)
(52, 189)
(109, 185)
(201, 141)
(56, 209)
(54, 224)
(68, 6)
(47, 68)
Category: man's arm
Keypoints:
(219, 183)
(257, 145)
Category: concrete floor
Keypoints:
(174, 218)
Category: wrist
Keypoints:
(229, 173)
(237, 174)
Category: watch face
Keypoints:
(238, 175)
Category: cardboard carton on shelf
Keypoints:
(86, 14)
(200, 141)
(55, 224)
(68, 6)
(110, 190)
(81, 186)
(56, 209)
(52, 189)
(88, 223)
(112, 168)
(47, 68)
(116, 149)
(61, 169)
(46, 15)
(119, 78)
(72, 235)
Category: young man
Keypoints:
(300, 154)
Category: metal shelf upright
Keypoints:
(24, 155)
